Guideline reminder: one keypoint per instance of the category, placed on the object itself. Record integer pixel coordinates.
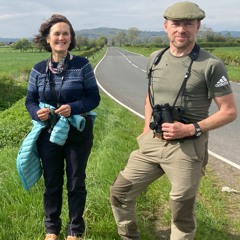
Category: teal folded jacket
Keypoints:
(28, 160)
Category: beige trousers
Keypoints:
(182, 162)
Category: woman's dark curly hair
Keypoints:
(41, 37)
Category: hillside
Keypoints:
(110, 32)
(95, 33)
(8, 40)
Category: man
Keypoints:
(175, 136)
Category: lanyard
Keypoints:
(49, 75)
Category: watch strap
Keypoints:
(198, 130)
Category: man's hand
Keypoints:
(177, 130)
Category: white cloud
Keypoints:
(22, 19)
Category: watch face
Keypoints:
(198, 131)
(198, 134)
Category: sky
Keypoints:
(22, 19)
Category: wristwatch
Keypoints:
(198, 130)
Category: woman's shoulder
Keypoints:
(41, 66)
(79, 61)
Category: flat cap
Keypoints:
(184, 10)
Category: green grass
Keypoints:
(115, 133)
(16, 62)
(233, 71)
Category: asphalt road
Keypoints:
(122, 76)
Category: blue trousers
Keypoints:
(72, 158)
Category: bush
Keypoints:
(89, 52)
(15, 124)
(229, 59)
(218, 44)
(11, 90)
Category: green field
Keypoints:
(115, 133)
(16, 61)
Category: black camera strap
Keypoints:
(193, 55)
(155, 62)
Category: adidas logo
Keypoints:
(222, 82)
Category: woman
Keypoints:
(62, 87)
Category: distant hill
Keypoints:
(110, 32)
(99, 32)
(8, 40)
(232, 33)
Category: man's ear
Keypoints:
(198, 25)
(165, 25)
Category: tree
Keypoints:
(102, 41)
(22, 44)
(121, 38)
(157, 41)
(132, 35)
(205, 32)
(112, 41)
(81, 41)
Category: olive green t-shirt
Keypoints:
(208, 79)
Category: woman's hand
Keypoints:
(64, 110)
(43, 114)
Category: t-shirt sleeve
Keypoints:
(217, 79)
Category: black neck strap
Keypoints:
(51, 82)
(193, 55)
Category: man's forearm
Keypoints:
(147, 114)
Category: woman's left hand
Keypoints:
(64, 110)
